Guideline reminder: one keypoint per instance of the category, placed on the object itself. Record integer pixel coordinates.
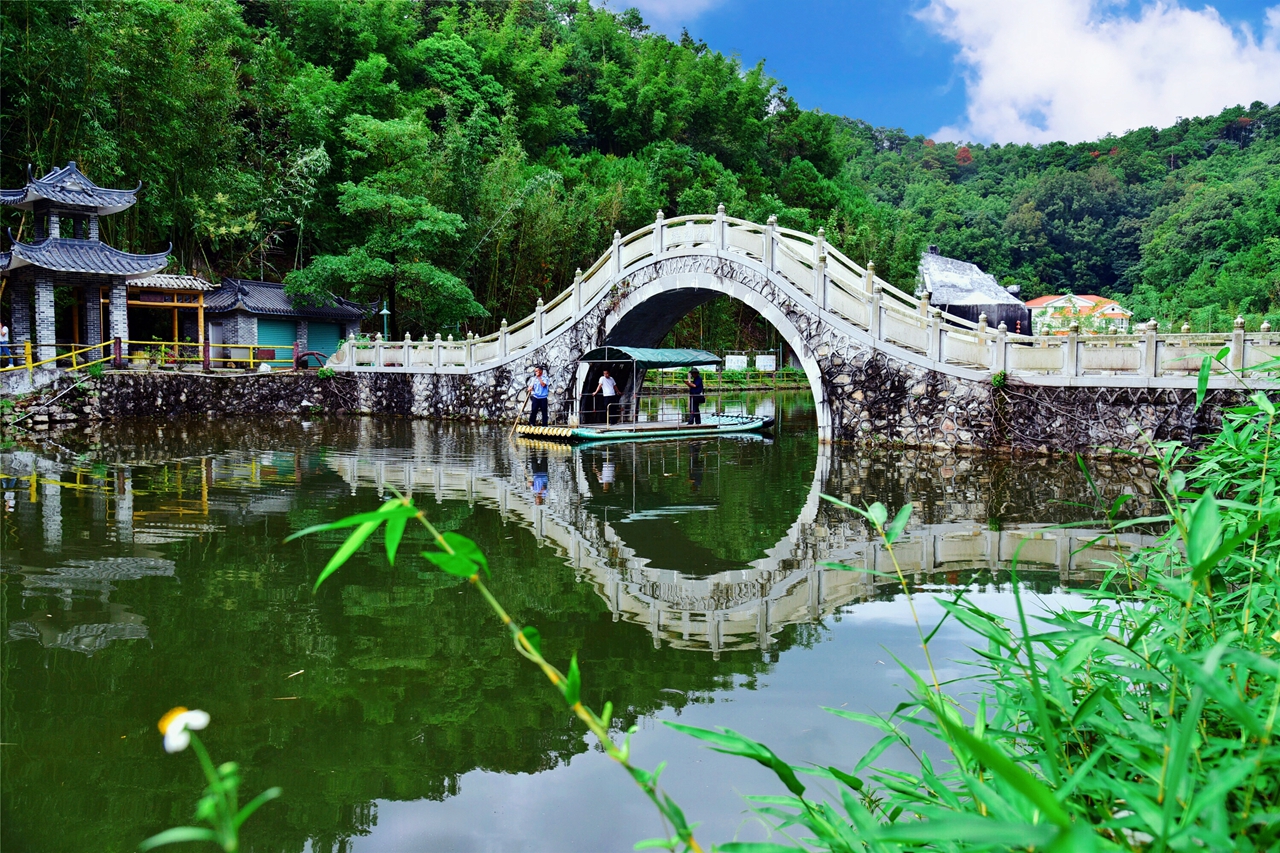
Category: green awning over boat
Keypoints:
(653, 358)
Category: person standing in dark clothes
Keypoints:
(696, 397)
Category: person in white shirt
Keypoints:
(4, 345)
(608, 389)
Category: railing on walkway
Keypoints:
(119, 354)
(835, 287)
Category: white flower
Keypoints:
(177, 726)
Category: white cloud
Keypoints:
(1046, 70)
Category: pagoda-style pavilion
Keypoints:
(65, 251)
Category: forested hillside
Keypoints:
(461, 159)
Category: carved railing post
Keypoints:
(617, 252)
(377, 351)
(539, 314)
(1071, 358)
(659, 235)
(1150, 356)
(718, 234)
(874, 318)
(449, 345)
(1236, 358)
(436, 354)
(502, 338)
(870, 277)
(924, 304)
(1000, 357)
(935, 328)
(468, 351)
(982, 325)
(408, 350)
(820, 282)
(577, 291)
(770, 244)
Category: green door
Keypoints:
(280, 335)
(323, 337)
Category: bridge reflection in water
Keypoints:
(587, 504)
(665, 532)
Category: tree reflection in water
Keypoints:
(674, 570)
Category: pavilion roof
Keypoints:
(63, 254)
(165, 281)
(269, 298)
(69, 186)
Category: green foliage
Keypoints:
(1143, 721)
(326, 373)
(461, 159)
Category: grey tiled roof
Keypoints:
(266, 297)
(69, 185)
(952, 282)
(164, 281)
(63, 254)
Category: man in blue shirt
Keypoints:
(539, 391)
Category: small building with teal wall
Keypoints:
(260, 313)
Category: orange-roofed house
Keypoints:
(1054, 314)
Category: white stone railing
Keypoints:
(833, 286)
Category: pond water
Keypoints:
(144, 567)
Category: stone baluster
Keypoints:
(539, 313)
(377, 350)
(1186, 328)
(770, 242)
(1236, 358)
(1071, 356)
(408, 350)
(449, 346)
(1000, 358)
(349, 350)
(820, 283)
(617, 252)
(468, 351)
(718, 234)
(503, 334)
(1150, 352)
(577, 291)
(659, 235)
(936, 329)
(874, 324)
(436, 351)
(924, 304)
(870, 276)
(982, 324)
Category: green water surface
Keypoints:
(144, 567)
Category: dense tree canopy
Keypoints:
(461, 159)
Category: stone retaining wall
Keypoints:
(875, 400)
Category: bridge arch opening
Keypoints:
(650, 310)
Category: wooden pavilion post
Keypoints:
(200, 320)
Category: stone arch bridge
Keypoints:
(881, 364)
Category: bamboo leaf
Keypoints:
(178, 835)
(468, 550)
(353, 543)
(390, 509)
(1000, 764)
(394, 533)
(573, 683)
(731, 743)
(894, 530)
(1202, 381)
(254, 804)
(533, 636)
(451, 563)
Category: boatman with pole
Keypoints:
(539, 391)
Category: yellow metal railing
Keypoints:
(160, 353)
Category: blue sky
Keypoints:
(997, 70)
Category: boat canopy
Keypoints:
(649, 358)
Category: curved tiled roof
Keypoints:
(163, 281)
(69, 185)
(63, 254)
(268, 297)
